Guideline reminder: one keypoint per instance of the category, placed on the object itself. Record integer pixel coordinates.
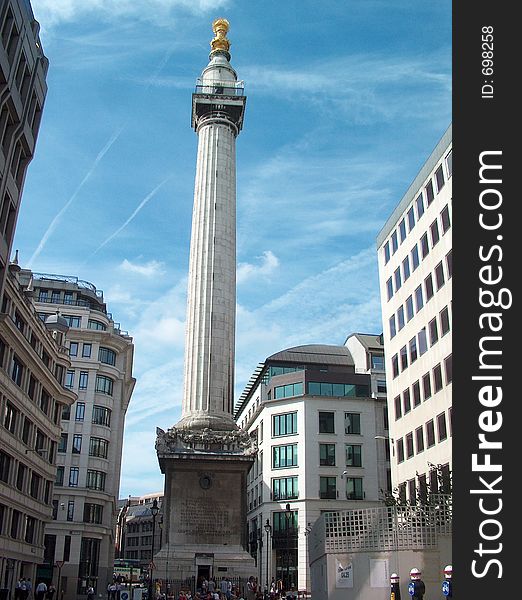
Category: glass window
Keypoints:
(400, 317)
(101, 415)
(411, 218)
(73, 320)
(449, 264)
(426, 385)
(77, 444)
(441, 427)
(93, 324)
(352, 423)
(409, 308)
(326, 422)
(428, 286)
(327, 487)
(284, 456)
(395, 365)
(69, 379)
(98, 447)
(404, 358)
(80, 411)
(107, 356)
(402, 230)
(285, 488)
(377, 361)
(400, 450)
(105, 385)
(96, 480)
(444, 321)
(430, 433)
(406, 267)
(434, 230)
(327, 455)
(437, 377)
(394, 241)
(434, 332)
(429, 192)
(419, 300)
(353, 455)
(74, 473)
(425, 248)
(409, 445)
(416, 393)
(286, 391)
(73, 349)
(59, 475)
(386, 252)
(398, 281)
(439, 275)
(406, 401)
(398, 407)
(415, 261)
(62, 444)
(84, 380)
(423, 343)
(439, 178)
(354, 488)
(419, 439)
(393, 330)
(419, 202)
(389, 288)
(413, 349)
(449, 163)
(445, 219)
(448, 367)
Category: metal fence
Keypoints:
(172, 587)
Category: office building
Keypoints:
(415, 271)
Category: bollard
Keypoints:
(416, 587)
(446, 584)
(395, 593)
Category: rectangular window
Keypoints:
(98, 447)
(413, 349)
(441, 427)
(59, 475)
(419, 202)
(386, 252)
(423, 343)
(406, 267)
(434, 333)
(70, 510)
(400, 317)
(107, 356)
(17, 370)
(377, 361)
(439, 178)
(429, 192)
(84, 380)
(428, 286)
(449, 264)
(86, 350)
(398, 281)
(101, 415)
(327, 455)
(411, 218)
(416, 393)
(393, 329)
(80, 411)
(98, 325)
(352, 423)
(439, 275)
(285, 488)
(353, 455)
(77, 444)
(426, 385)
(445, 219)
(430, 433)
(96, 480)
(419, 300)
(402, 231)
(284, 456)
(74, 473)
(326, 422)
(395, 365)
(62, 445)
(434, 231)
(437, 378)
(69, 379)
(409, 308)
(415, 260)
(93, 513)
(285, 424)
(105, 385)
(354, 488)
(409, 445)
(400, 450)
(73, 320)
(389, 288)
(398, 407)
(394, 241)
(404, 358)
(327, 487)
(448, 367)
(425, 248)
(419, 439)
(73, 349)
(406, 400)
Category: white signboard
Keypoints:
(379, 576)
(343, 575)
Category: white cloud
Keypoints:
(268, 264)
(153, 268)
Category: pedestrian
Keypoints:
(251, 588)
(41, 590)
(229, 588)
(90, 593)
(50, 592)
(29, 587)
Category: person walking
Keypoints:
(90, 593)
(50, 592)
(41, 590)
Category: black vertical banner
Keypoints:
(486, 323)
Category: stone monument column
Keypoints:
(205, 457)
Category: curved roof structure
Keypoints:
(315, 354)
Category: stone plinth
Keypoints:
(204, 511)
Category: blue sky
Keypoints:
(345, 101)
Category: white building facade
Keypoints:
(82, 531)
(312, 410)
(415, 271)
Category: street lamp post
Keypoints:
(268, 529)
(154, 511)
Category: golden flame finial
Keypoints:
(220, 28)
